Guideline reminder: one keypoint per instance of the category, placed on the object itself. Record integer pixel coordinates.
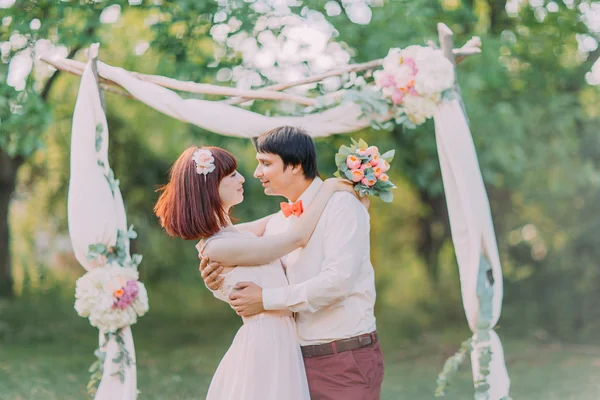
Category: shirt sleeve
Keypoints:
(345, 247)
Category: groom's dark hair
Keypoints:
(293, 145)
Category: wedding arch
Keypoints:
(98, 225)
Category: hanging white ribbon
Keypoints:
(95, 215)
(472, 231)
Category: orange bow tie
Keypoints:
(292, 209)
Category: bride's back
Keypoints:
(269, 275)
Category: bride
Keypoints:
(264, 361)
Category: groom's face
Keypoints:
(275, 178)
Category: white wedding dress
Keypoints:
(264, 361)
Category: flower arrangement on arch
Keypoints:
(415, 80)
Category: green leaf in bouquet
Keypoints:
(371, 192)
(386, 196)
(136, 259)
(384, 185)
(348, 174)
(345, 150)
(362, 144)
(131, 233)
(337, 174)
(354, 142)
(389, 155)
(400, 119)
(343, 167)
(387, 126)
(340, 159)
(408, 124)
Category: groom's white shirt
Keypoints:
(332, 283)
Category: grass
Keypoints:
(45, 350)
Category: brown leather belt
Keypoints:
(339, 346)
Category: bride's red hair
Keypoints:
(189, 205)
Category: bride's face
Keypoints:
(231, 189)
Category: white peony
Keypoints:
(418, 109)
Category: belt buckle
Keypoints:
(364, 341)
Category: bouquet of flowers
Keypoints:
(111, 297)
(366, 167)
(415, 80)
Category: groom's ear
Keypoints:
(297, 170)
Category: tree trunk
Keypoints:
(498, 16)
(434, 229)
(8, 177)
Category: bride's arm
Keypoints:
(249, 251)
(256, 227)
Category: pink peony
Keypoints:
(383, 178)
(353, 162)
(129, 294)
(372, 150)
(368, 182)
(375, 159)
(365, 166)
(377, 172)
(386, 80)
(410, 62)
(357, 175)
(384, 165)
(397, 97)
(361, 152)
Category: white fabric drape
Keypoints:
(229, 120)
(472, 229)
(95, 214)
(468, 205)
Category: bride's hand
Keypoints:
(339, 185)
(344, 185)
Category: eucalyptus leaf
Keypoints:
(387, 196)
(345, 150)
(340, 158)
(389, 155)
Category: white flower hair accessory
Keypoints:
(205, 162)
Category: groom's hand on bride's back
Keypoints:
(246, 299)
(210, 272)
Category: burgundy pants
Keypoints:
(350, 375)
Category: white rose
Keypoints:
(204, 161)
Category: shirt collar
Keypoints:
(311, 191)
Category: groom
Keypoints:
(332, 287)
